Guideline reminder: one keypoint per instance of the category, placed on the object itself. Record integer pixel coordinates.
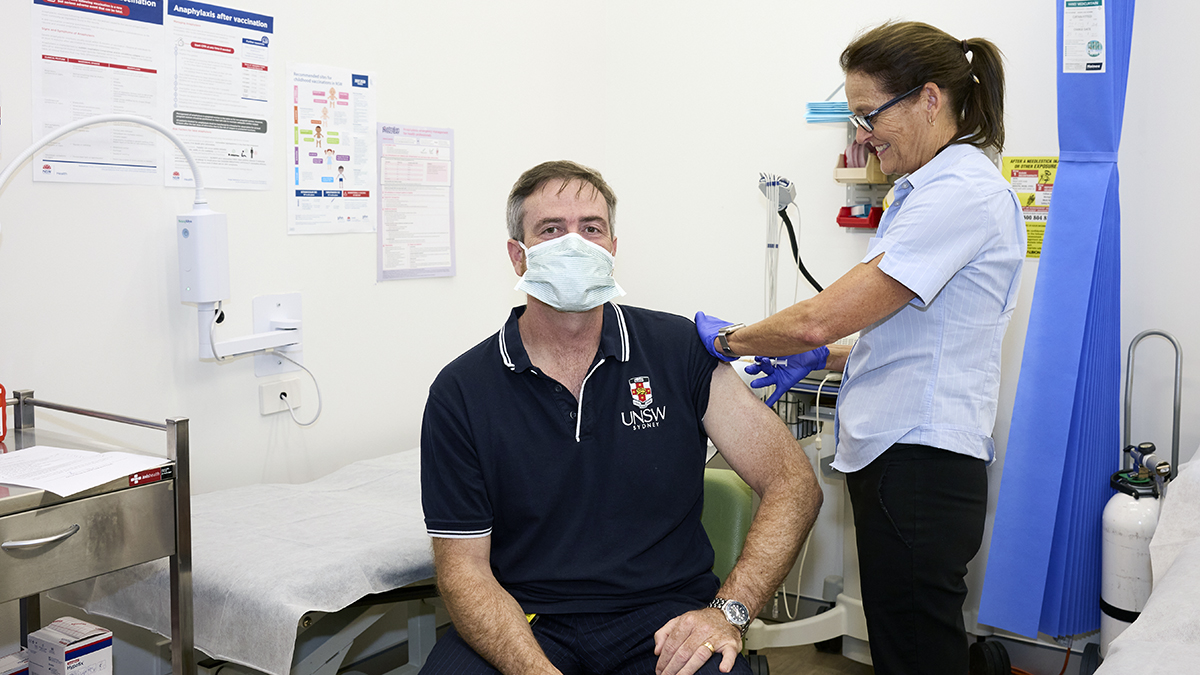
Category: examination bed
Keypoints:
(267, 559)
(1166, 637)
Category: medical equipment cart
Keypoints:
(50, 541)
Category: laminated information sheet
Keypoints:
(1083, 36)
(331, 173)
(219, 73)
(97, 58)
(416, 205)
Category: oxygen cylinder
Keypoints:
(1129, 520)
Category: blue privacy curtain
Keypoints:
(1043, 571)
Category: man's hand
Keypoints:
(683, 644)
(786, 371)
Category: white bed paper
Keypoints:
(264, 555)
(66, 472)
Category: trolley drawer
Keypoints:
(115, 530)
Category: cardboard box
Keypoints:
(15, 664)
(70, 647)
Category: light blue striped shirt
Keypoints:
(930, 373)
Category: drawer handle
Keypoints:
(34, 543)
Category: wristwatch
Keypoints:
(723, 334)
(735, 613)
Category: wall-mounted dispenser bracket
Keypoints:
(278, 313)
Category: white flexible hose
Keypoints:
(791, 613)
(288, 403)
(105, 119)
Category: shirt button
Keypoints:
(572, 415)
(558, 387)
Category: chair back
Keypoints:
(728, 506)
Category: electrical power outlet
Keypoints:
(269, 401)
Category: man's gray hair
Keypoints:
(563, 170)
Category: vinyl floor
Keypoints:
(806, 660)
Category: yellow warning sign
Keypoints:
(1032, 178)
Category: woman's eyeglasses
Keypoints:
(864, 122)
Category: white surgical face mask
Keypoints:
(569, 273)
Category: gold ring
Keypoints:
(710, 647)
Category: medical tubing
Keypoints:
(104, 119)
(796, 290)
(791, 613)
(796, 250)
(283, 397)
(1068, 657)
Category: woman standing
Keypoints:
(932, 298)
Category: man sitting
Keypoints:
(562, 469)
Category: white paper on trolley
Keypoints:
(416, 203)
(66, 472)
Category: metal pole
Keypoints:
(1178, 395)
(183, 655)
(97, 414)
(23, 409)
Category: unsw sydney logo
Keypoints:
(644, 417)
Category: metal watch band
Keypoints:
(723, 337)
(719, 603)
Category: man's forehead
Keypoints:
(569, 187)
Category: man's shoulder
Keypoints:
(655, 321)
(663, 336)
(476, 361)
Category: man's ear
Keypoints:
(516, 255)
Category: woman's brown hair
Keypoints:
(904, 55)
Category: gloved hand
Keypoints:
(783, 372)
(707, 327)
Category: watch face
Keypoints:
(736, 613)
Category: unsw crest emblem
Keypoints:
(639, 389)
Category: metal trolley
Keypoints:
(50, 541)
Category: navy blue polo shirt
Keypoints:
(592, 505)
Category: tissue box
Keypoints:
(15, 664)
(70, 646)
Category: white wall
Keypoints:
(679, 104)
(1158, 244)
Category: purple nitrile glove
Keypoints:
(707, 326)
(786, 371)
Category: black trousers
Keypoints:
(919, 515)
(619, 643)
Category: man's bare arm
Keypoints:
(764, 453)
(759, 447)
(485, 614)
